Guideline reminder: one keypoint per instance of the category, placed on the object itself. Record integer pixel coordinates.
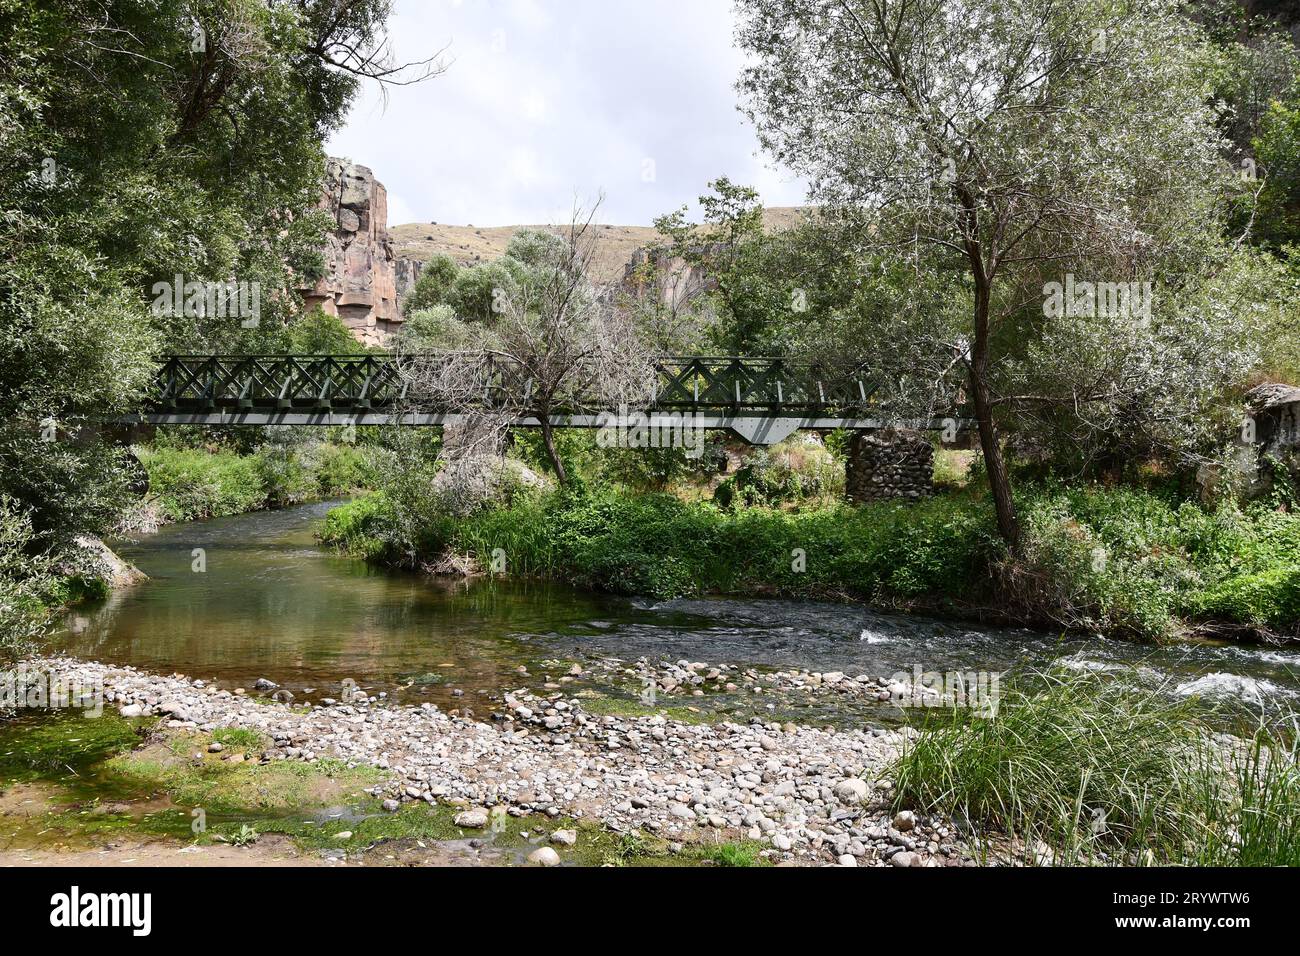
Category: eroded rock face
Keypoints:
(360, 282)
(407, 271)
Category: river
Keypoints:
(255, 596)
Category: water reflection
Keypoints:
(271, 603)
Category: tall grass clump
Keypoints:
(1097, 769)
(1084, 763)
(1250, 802)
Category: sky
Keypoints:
(545, 101)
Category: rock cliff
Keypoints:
(364, 280)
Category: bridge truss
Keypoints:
(763, 400)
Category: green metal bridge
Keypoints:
(763, 400)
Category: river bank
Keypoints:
(734, 722)
(1123, 562)
(542, 779)
(807, 795)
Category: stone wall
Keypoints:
(360, 281)
(890, 465)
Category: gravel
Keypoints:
(810, 795)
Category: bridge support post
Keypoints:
(894, 465)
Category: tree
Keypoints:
(479, 291)
(551, 347)
(437, 276)
(735, 264)
(1015, 137)
(141, 140)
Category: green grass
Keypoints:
(53, 746)
(1251, 805)
(1101, 770)
(239, 738)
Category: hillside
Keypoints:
(471, 244)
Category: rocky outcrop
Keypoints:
(894, 465)
(93, 560)
(1276, 410)
(360, 281)
(656, 274)
(406, 272)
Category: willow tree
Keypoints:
(552, 346)
(1016, 139)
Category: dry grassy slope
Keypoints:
(470, 244)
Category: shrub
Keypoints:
(437, 276)
(26, 585)
(341, 469)
(191, 484)
(1268, 598)
(1126, 562)
(284, 477)
(319, 333)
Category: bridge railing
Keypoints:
(202, 383)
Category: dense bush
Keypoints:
(662, 546)
(26, 583)
(319, 333)
(189, 484)
(437, 276)
(1121, 561)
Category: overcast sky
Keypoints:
(548, 99)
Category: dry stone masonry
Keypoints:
(892, 465)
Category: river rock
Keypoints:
(565, 837)
(852, 790)
(473, 819)
(904, 820)
(544, 856)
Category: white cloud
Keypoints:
(548, 99)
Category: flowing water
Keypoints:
(255, 596)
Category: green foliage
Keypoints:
(1123, 561)
(793, 472)
(1091, 768)
(535, 248)
(195, 483)
(319, 333)
(1085, 763)
(1250, 802)
(437, 278)
(130, 156)
(478, 291)
(437, 327)
(26, 584)
(192, 484)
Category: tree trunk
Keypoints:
(999, 481)
(548, 440)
